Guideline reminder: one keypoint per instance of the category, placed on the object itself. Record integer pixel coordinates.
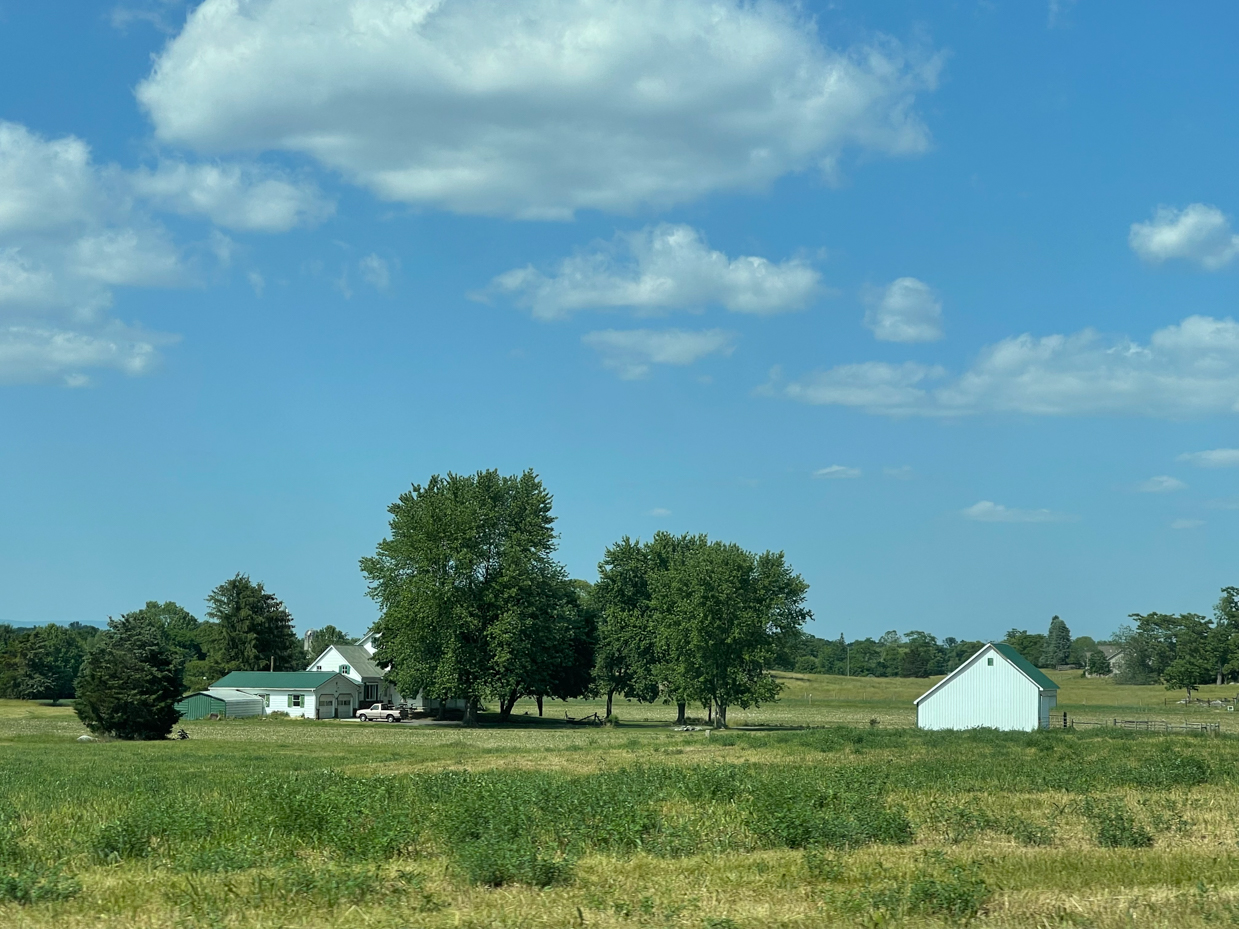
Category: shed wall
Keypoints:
(998, 696)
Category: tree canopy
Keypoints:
(131, 680)
(255, 630)
(473, 604)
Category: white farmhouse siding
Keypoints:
(312, 694)
(995, 688)
(355, 663)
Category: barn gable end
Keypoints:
(995, 688)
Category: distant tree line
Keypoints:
(919, 654)
(475, 606)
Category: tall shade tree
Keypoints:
(1057, 648)
(473, 605)
(724, 617)
(255, 630)
(1193, 664)
(626, 660)
(131, 680)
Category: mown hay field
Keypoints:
(861, 821)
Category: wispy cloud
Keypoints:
(659, 512)
(632, 352)
(1161, 484)
(836, 472)
(1187, 524)
(1188, 369)
(986, 511)
(902, 473)
(1214, 458)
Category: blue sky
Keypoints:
(937, 298)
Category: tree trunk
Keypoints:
(720, 719)
(441, 709)
(680, 707)
(610, 696)
(505, 705)
(539, 704)
(471, 711)
(1220, 682)
(710, 713)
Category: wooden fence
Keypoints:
(1063, 721)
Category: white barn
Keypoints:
(997, 688)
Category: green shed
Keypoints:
(221, 701)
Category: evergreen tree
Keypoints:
(131, 680)
(47, 661)
(255, 630)
(1057, 648)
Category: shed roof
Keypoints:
(1025, 667)
(275, 680)
(228, 693)
(1039, 676)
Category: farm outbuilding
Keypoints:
(222, 702)
(312, 694)
(997, 688)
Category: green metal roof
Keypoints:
(276, 680)
(1039, 676)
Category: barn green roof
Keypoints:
(275, 680)
(1040, 677)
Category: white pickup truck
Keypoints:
(380, 712)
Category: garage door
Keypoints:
(344, 706)
(326, 708)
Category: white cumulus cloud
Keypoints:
(986, 511)
(1198, 233)
(535, 109)
(906, 310)
(1213, 458)
(837, 472)
(243, 197)
(69, 234)
(1161, 484)
(1188, 369)
(631, 352)
(658, 269)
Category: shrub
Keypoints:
(131, 680)
(37, 885)
(799, 812)
(956, 896)
(1115, 827)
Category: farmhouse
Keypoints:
(313, 694)
(997, 688)
(369, 645)
(354, 662)
(222, 702)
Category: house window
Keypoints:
(372, 694)
(344, 669)
(990, 661)
(266, 699)
(318, 667)
(294, 700)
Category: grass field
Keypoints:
(302, 824)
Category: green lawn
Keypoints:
(291, 823)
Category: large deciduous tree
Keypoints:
(255, 630)
(473, 603)
(724, 616)
(131, 680)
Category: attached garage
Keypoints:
(222, 702)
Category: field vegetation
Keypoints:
(860, 821)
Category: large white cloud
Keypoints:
(1185, 370)
(631, 352)
(661, 268)
(534, 109)
(69, 233)
(906, 310)
(1199, 233)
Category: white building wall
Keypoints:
(995, 695)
